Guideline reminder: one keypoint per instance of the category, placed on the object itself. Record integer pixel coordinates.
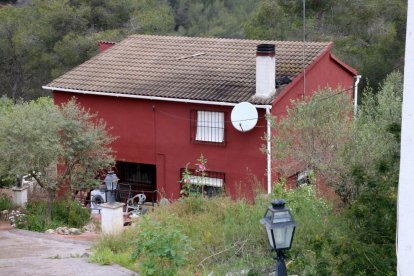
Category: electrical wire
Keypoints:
(273, 114)
(189, 119)
(249, 119)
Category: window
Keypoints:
(142, 175)
(213, 182)
(207, 126)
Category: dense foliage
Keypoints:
(313, 135)
(64, 213)
(359, 158)
(36, 136)
(43, 39)
(319, 134)
(161, 247)
(5, 202)
(221, 235)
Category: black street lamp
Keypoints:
(19, 181)
(111, 182)
(280, 227)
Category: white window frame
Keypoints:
(210, 126)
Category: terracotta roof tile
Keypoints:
(222, 70)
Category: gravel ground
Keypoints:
(28, 253)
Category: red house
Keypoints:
(169, 100)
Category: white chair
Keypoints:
(134, 204)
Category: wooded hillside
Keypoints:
(43, 39)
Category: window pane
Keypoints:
(210, 126)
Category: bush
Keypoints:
(225, 236)
(116, 249)
(5, 203)
(64, 213)
(78, 215)
(7, 181)
(161, 247)
(317, 231)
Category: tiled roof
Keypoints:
(208, 69)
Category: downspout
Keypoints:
(269, 151)
(357, 79)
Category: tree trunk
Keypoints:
(50, 197)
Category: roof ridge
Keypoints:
(245, 40)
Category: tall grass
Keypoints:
(64, 213)
(225, 235)
(5, 202)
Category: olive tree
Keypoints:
(313, 135)
(321, 134)
(57, 146)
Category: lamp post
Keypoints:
(280, 228)
(111, 182)
(19, 181)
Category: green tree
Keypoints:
(12, 74)
(369, 35)
(359, 158)
(313, 135)
(369, 247)
(270, 22)
(152, 17)
(55, 145)
(319, 134)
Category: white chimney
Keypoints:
(265, 70)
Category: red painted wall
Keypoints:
(324, 72)
(158, 132)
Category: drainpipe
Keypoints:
(357, 79)
(269, 155)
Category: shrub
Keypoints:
(78, 215)
(226, 236)
(5, 202)
(64, 213)
(116, 249)
(161, 247)
(317, 230)
(7, 181)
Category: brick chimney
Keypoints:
(105, 45)
(265, 70)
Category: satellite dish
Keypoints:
(244, 116)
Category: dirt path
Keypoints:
(28, 253)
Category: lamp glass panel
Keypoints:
(283, 216)
(283, 236)
(269, 215)
(111, 182)
(108, 184)
(269, 236)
